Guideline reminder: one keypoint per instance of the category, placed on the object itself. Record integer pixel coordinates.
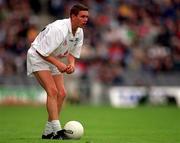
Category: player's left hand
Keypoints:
(70, 69)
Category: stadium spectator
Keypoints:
(141, 26)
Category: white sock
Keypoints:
(48, 128)
(56, 126)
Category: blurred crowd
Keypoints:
(121, 35)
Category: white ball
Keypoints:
(74, 129)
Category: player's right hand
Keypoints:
(70, 69)
(62, 67)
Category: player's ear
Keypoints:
(73, 16)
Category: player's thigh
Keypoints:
(59, 81)
(45, 79)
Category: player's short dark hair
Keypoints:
(77, 8)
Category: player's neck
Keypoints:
(74, 27)
(74, 30)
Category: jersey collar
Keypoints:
(70, 27)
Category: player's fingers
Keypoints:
(64, 70)
(69, 71)
(70, 68)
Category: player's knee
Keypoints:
(52, 92)
(62, 93)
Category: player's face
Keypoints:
(82, 18)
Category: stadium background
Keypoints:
(127, 43)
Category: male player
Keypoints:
(62, 38)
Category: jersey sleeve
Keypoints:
(48, 40)
(76, 50)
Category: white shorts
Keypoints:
(36, 63)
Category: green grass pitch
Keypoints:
(24, 124)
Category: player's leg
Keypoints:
(47, 82)
(59, 81)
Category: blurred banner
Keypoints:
(132, 96)
(117, 96)
(126, 96)
(13, 95)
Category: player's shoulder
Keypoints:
(61, 25)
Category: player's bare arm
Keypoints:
(71, 64)
(60, 65)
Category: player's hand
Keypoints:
(70, 69)
(62, 67)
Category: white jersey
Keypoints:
(57, 40)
